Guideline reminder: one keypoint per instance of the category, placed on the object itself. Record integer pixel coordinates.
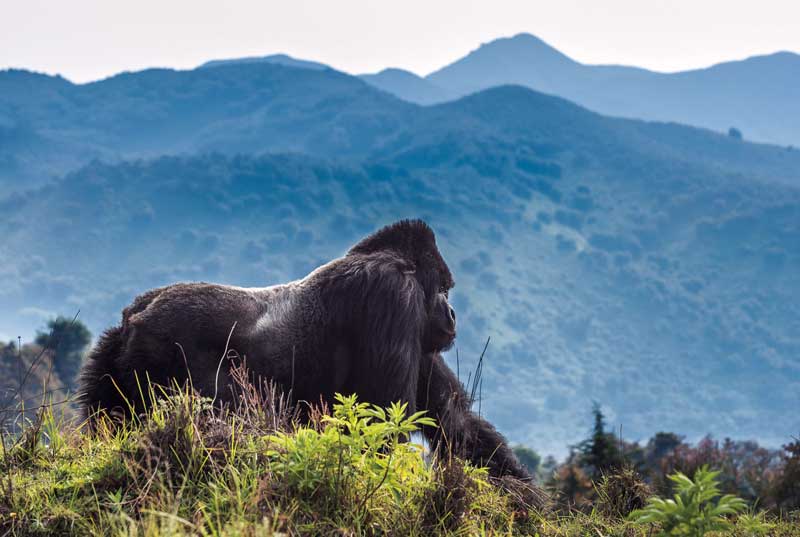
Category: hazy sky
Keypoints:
(90, 39)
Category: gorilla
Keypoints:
(372, 322)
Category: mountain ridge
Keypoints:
(754, 94)
(53, 126)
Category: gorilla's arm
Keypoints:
(461, 432)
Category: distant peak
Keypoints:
(523, 45)
(396, 71)
(507, 59)
(525, 37)
(522, 39)
(276, 59)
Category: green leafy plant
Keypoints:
(359, 453)
(696, 509)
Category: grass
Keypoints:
(193, 469)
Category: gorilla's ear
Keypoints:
(405, 237)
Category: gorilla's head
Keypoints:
(415, 243)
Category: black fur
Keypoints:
(461, 432)
(371, 322)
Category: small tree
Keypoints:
(67, 339)
(599, 452)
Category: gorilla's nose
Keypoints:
(452, 314)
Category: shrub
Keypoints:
(696, 509)
(358, 457)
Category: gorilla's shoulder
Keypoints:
(141, 302)
(184, 295)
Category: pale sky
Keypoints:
(90, 39)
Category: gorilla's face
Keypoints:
(441, 328)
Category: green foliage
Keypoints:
(192, 469)
(356, 458)
(68, 340)
(696, 509)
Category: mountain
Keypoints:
(756, 95)
(523, 59)
(652, 267)
(407, 86)
(53, 125)
(277, 59)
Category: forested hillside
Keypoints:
(652, 267)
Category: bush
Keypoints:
(358, 460)
(696, 510)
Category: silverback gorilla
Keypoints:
(372, 322)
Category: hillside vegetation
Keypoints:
(49, 125)
(193, 469)
(650, 266)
